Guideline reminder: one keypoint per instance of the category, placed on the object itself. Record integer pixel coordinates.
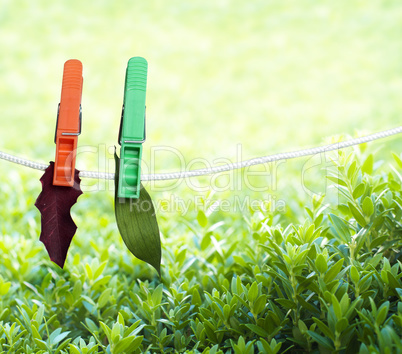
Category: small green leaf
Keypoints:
(397, 159)
(41, 344)
(325, 342)
(137, 224)
(116, 332)
(357, 215)
(202, 219)
(259, 304)
(120, 319)
(341, 325)
(378, 241)
(59, 338)
(35, 333)
(354, 274)
(77, 290)
(302, 327)
(258, 330)
(368, 206)
(321, 264)
(337, 180)
(39, 314)
(74, 350)
(340, 228)
(4, 288)
(104, 297)
(107, 331)
(253, 292)
(91, 325)
(324, 328)
(210, 331)
(157, 295)
(352, 169)
(337, 307)
(196, 298)
(359, 190)
(88, 271)
(382, 313)
(288, 304)
(226, 312)
(333, 271)
(367, 166)
(132, 341)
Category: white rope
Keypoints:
(221, 168)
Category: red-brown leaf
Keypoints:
(54, 203)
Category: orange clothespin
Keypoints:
(68, 125)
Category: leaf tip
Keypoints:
(157, 267)
(59, 262)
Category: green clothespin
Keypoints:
(132, 128)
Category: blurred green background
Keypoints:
(268, 75)
(271, 76)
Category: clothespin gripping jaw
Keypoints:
(132, 128)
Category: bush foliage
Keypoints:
(254, 285)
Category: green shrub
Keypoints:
(229, 285)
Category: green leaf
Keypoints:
(138, 226)
(39, 314)
(4, 288)
(59, 338)
(337, 307)
(157, 295)
(352, 169)
(196, 298)
(258, 330)
(253, 292)
(367, 166)
(132, 341)
(337, 180)
(116, 332)
(325, 342)
(35, 333)
(202, 219)
(321, 264)
(359, 190)
(120, 319)
(74, 350)
(259, 304)
(354, 274)
(333, 271)
(77, 290)
(91, 326)
(357, 215)
(226, 312)
(104, 298)
(288, 304)
(382, 313)
(340, 228)
(210, 331)
(341, 325)
(107, 331)
(41, 344)
(378, 241)
(397, 159)
(324, 328)
(368, 206)
(392, 281)
(302, 326)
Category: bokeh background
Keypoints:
(268, 75)
(271, 76)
